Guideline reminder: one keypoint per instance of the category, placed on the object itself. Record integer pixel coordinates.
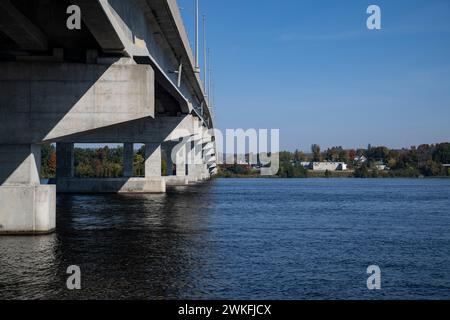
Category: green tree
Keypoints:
(299, 156)
(317, 156)
(442, 153)
(431, 168)
(378, 154)
(361, 172)
(138, 165)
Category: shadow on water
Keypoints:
(143, 244)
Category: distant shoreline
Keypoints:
(324, 177)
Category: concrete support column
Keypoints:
(196, 165)
(153, 160)
(20, 164)
(128, 159)
(209, 154)
(168, 151)
(191, 166)
(26, 207)
(151, 183)
(65, 160)
(181, 162)
(176, 154)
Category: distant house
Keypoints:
(360, 159)
(381, 166)
(325, 166)
(306, 165)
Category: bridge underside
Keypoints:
(88, 86)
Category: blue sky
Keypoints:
(312, 69)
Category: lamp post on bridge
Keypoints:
(205, 59)
(197, 67)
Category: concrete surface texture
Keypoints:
(45, 101)
(27, 209)
(110, 82)
(113, 185)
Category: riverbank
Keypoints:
(308, 175)
(328, 175)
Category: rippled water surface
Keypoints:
(242, 239)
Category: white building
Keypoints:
(360, 159)
(324, 166)
(380, 166)
(305, 165)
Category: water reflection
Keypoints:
(242, 239)
(142, 244)
(27, 266)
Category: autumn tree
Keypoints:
(51, 163)
(48, 161)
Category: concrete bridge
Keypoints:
(127, 76)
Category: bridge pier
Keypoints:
(167, 148)
(176, 154)
(128, 159)
(27, 206)
(197, 168)
(65, 160)
(151, 183)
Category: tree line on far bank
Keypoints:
(102, 162)
(426, 160)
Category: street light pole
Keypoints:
(197, 67)
(205, 58)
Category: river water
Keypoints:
(242, 239)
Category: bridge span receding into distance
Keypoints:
(127, 76)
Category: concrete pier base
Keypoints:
(198, 173)
(114, 185)
(27, 209)
(174, 181)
